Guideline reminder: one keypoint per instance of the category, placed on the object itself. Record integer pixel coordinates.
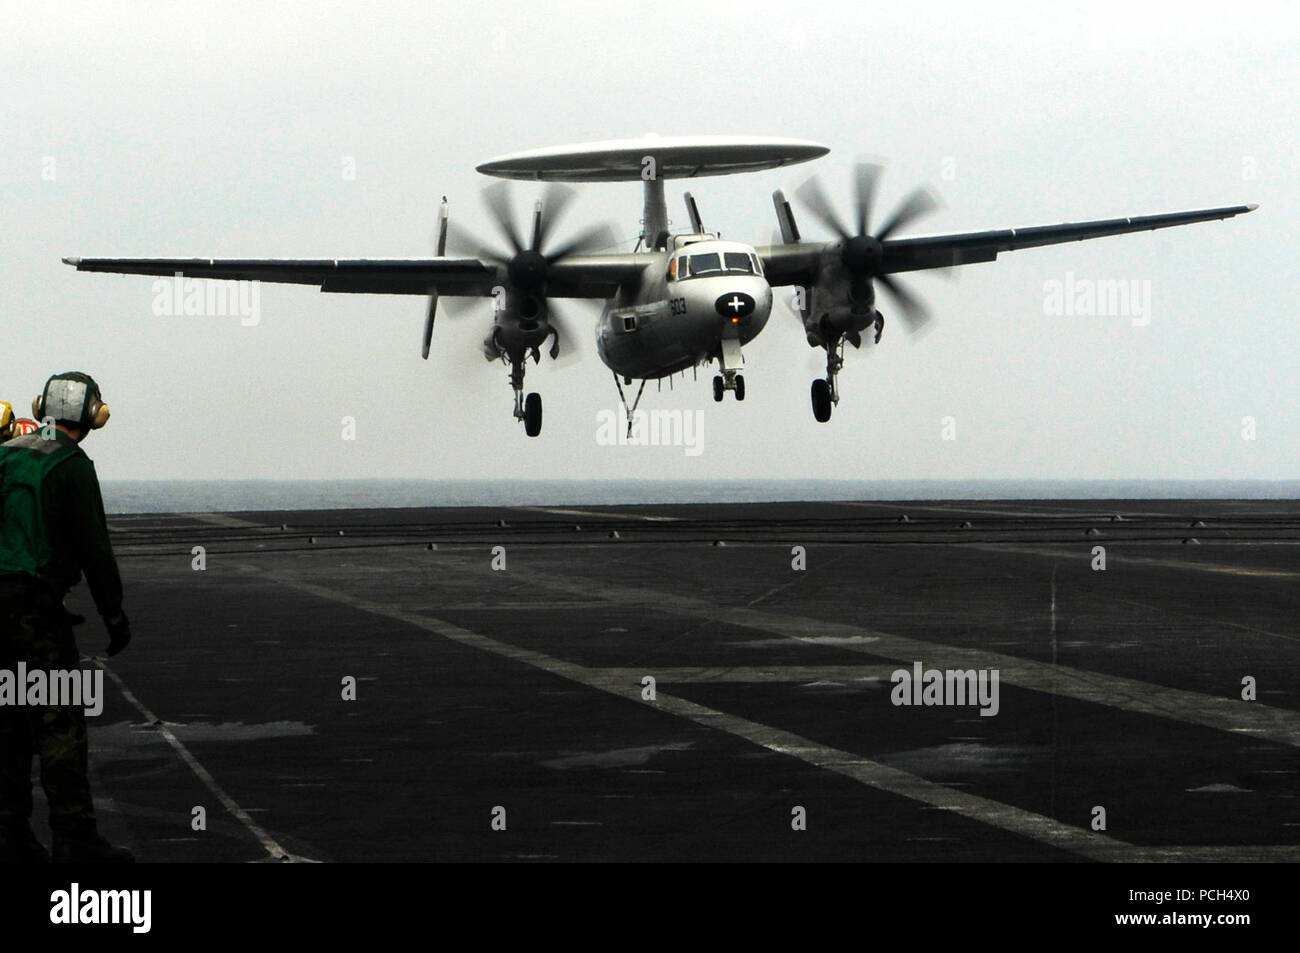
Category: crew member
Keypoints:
(11, 426)
(52, 529)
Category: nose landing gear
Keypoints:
(728, 380)
(731, 361)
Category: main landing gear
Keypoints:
(821, 400)
(825, 391)
(528, 409)
(533, 415)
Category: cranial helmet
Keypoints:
(72, 398)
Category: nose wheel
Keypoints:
(728, 380)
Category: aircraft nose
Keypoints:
(735, 304)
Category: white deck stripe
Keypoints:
(666, 675)
(1116, 557)
(1222, 713)
(1091, 844)
(600, 514)
(957, 509)
(268, 843)
(229, 522)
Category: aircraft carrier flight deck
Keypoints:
(706, 682)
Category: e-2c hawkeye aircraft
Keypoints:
(678, 300)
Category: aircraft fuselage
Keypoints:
(697, 294)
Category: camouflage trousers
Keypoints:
(34, 629)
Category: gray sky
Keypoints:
(165, 129)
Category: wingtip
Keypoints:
(74, 262)
(1252, 206)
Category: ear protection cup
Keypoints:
(6, 420)
(98, 414)
(38, 406)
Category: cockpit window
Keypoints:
(728, 263)
(738, 263)
(705, 264)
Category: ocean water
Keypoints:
(189, 496)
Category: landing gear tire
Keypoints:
(533, 415)
(740, 387)
(717, 388)
(821, 400)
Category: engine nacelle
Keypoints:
(838, 305)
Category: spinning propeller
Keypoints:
(527, 266)
(862, 252)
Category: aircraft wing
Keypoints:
(596, 276)
(797, 263)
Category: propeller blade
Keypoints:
(594, 239)
(812, 195)
(915, 314)
(497, 199)
(457, 305)
(920, 203)
(536, 240)
(868, 178)
(564, 346)
(430, 314)
(554, 203)
(465, 242)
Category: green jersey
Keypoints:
(52, 524)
